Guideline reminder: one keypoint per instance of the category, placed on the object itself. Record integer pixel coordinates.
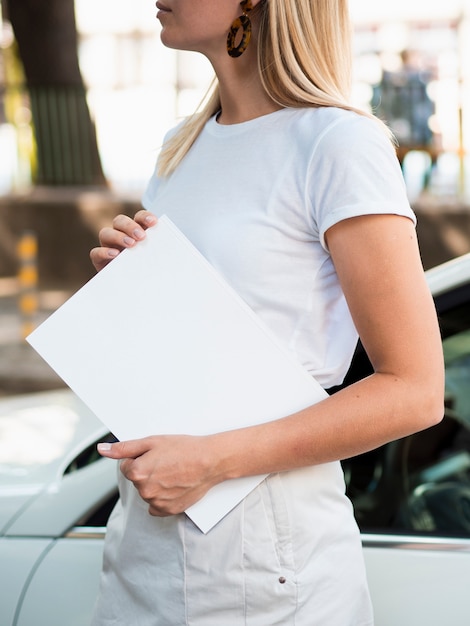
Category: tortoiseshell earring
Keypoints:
(243, 22)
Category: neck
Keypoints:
(242, 95)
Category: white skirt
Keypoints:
(289, 554)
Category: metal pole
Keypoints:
(28, 281)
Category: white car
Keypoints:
(411, 497)
(55, 497)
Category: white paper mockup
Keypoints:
(158, 343)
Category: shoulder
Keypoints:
(341, 129)
(174, 130)
(331, 132)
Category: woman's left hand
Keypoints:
(170, 472)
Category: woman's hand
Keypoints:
(170, 472)
(124, 233)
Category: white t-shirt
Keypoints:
(257, 198)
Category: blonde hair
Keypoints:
(304, 60)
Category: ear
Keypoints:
(251, 3)
(255, 3)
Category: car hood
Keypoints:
(40, 435)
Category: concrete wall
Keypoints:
(443, 229)
(66, 223)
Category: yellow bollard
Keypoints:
(28, 281)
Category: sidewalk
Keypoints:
(22, 370)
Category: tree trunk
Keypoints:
(46, 34)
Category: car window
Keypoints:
(98, 514)
(99, 517)
(421, 484)
(89, 455)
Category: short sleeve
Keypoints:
(354, 171)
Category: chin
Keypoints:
(177, 44)
(170, 42)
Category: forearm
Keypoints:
(357, 419)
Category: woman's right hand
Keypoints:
(124, 233)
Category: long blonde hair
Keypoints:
(304, 60)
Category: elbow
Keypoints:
(429, 404)
(435, 413)
(419, 401)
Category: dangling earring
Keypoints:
(244, 23)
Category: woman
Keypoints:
(297, 200)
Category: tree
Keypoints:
(46, 34)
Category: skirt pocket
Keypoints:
(270, 584)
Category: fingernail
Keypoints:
(150, 219)
(138, 234)
(128, 241)
(112, 253)
(104, 447)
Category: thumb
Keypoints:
(124, 449)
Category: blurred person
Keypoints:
(401, 98)
(297, 200)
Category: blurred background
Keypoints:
(87, 92)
